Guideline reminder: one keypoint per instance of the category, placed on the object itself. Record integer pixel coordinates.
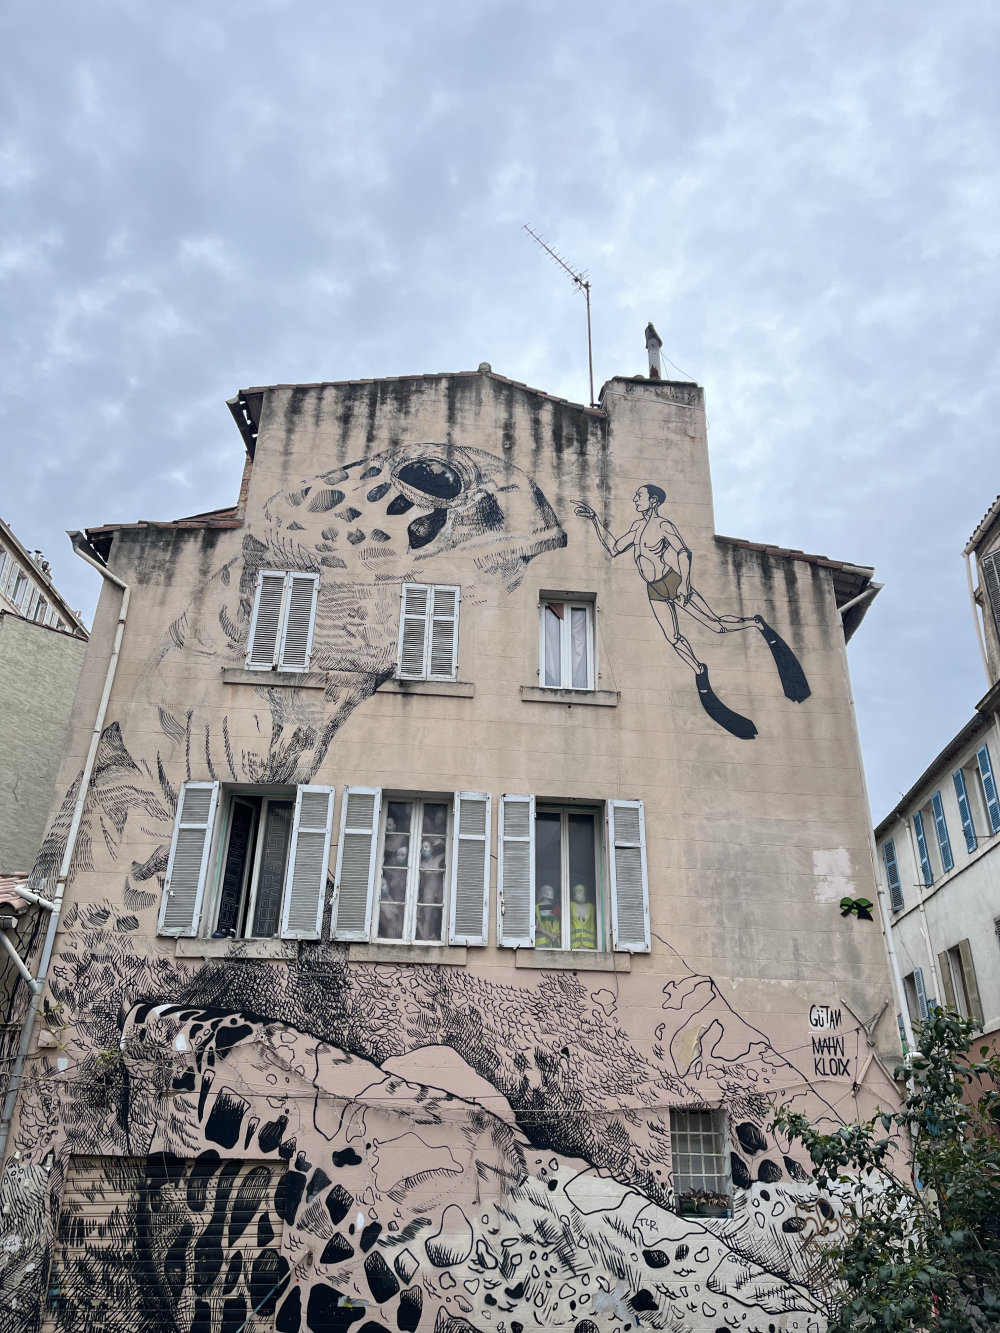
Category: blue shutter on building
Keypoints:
(989, 787)
(921, 993)
(925, 860)
(965, 810)
(892, 875)
(944, 842)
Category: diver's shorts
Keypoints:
(665, 589)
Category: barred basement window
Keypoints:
(698, 1144)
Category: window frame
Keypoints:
(278, 656)
(418, 800)
(722, 1179)
(204, 894)
(959, 980)
(430, 617)
(576, 602)
(602, 904)
(624, 873)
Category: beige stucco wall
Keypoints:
(751, 845)
(39, 668)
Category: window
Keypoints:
(284, 614)
(258, 858)
(989, 788)
(941, 828)
(892, 875)
(5, 564)
(965, 809)
(412, 868)
(428, 632)
(565, 870)
(916, 995)
(923, 852)
(566, 631)
(700, 1161)
(41, 611)
(958, 980)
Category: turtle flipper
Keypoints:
(734, 723)
(790, 673)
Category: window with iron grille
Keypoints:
(700, 1158)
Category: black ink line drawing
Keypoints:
(663, 559)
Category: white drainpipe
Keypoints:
(38, 984)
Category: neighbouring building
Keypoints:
(937, 847)
(42, 643)
(455, 890)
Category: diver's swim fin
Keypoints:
(718, 712)
(792, 677)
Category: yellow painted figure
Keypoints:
(548, 928)
(582, 920)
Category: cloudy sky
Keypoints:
(803, 197)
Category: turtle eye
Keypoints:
(432, 478)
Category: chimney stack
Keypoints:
(653, 344)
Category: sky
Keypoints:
(803, 197)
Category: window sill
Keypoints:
(460, 689)
(278, 951)
(579, 960)
(437, 955)
(593, 698)
(300, 680)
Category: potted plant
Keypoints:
(703, 1203)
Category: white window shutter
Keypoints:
(629, 878)
(298, 621)
(443, 660)
(470, 869)
(412, 654)
(187, 866)
(308, 858)
(355, 878)
(516, 873)
(265, 627)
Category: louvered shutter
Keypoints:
(940, 824)
(989, 787)
(892, 875)
(265, 626)
(308, 858)
(298, 621)
(629, 879)
(470, 869)
(516, 873)
(5, 563)
(443, 650)
(991, 581)
(918, 986)
(925, 860)
(969, 977)
(187, 866)
(965, 810)
(944, 967)
(412, 664)
(355, 879)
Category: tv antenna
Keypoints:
(582, 283)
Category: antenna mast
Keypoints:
(583, 284)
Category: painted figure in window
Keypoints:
(548, 928)
(582, 919)
(663, 559)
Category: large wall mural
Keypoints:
(390, 1146)
(664, 560)
(235, 1144)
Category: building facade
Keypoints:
(454, 892)
(936, 848)
(42, 644)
